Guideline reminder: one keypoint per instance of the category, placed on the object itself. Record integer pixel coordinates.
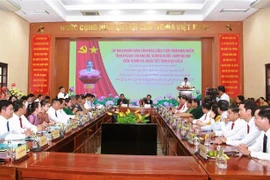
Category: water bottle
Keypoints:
(9, 149)
(49, 139)
(221, 161)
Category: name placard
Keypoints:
(74, 124)
(55, 134)
(42, 141)
(147, 105)
(20, 152)
(68, 128)
(83, 120)
(203, 151)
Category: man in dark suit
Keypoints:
(122, 100)
(148, 100)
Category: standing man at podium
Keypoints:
(185, 84)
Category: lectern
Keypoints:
(185, 91)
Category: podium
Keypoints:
(185, 91)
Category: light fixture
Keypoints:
(41, 29)
(229, 27)
(35, 12)
(234, 10)
(175, 12)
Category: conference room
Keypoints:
(135, 70)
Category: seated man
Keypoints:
(183, 107)
(122, 100)
(236, 128)
(89, 103)
(206, 118)
(148, 100)
(246, 112)
(188, 111)
(6, 112)
(222, 107)
(197, 112)
(54, 113)
(18, 122)
(261, 148)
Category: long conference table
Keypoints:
(72, 157)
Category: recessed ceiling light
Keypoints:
(90, 13)
(35, 12)
(234, 10)
(175, 12)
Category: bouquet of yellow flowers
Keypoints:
(130, 118)
(16, 92)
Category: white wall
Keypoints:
(14, 48)
(256, 52)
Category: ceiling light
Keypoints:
(234, 10)
(90, 13)
(176, 12)
(35, 12)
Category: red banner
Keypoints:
(230, 65)
(40, 64)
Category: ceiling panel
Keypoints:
(130, 10)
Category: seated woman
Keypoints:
(262, 102)
(43, 116)
(33, 110)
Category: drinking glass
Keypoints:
(207, 140)
(196, 141)
(222, 162)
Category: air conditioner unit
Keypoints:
(260, 4)
(9, 5)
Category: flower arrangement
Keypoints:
(168, 100)
(130, 118)
(72, 91)
(89, 77)
(15, 91)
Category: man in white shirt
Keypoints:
(246, 112)
(6, 112)
(184, 101)
(62, 93)
(236, 128)
(54, 114)
(222, 107)
(185, 84)
(261, 149)
(18, 122)
(61, 109)
(222, 94)
(206, 118)
(29, 99)
(89, 103)
(39, 98)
